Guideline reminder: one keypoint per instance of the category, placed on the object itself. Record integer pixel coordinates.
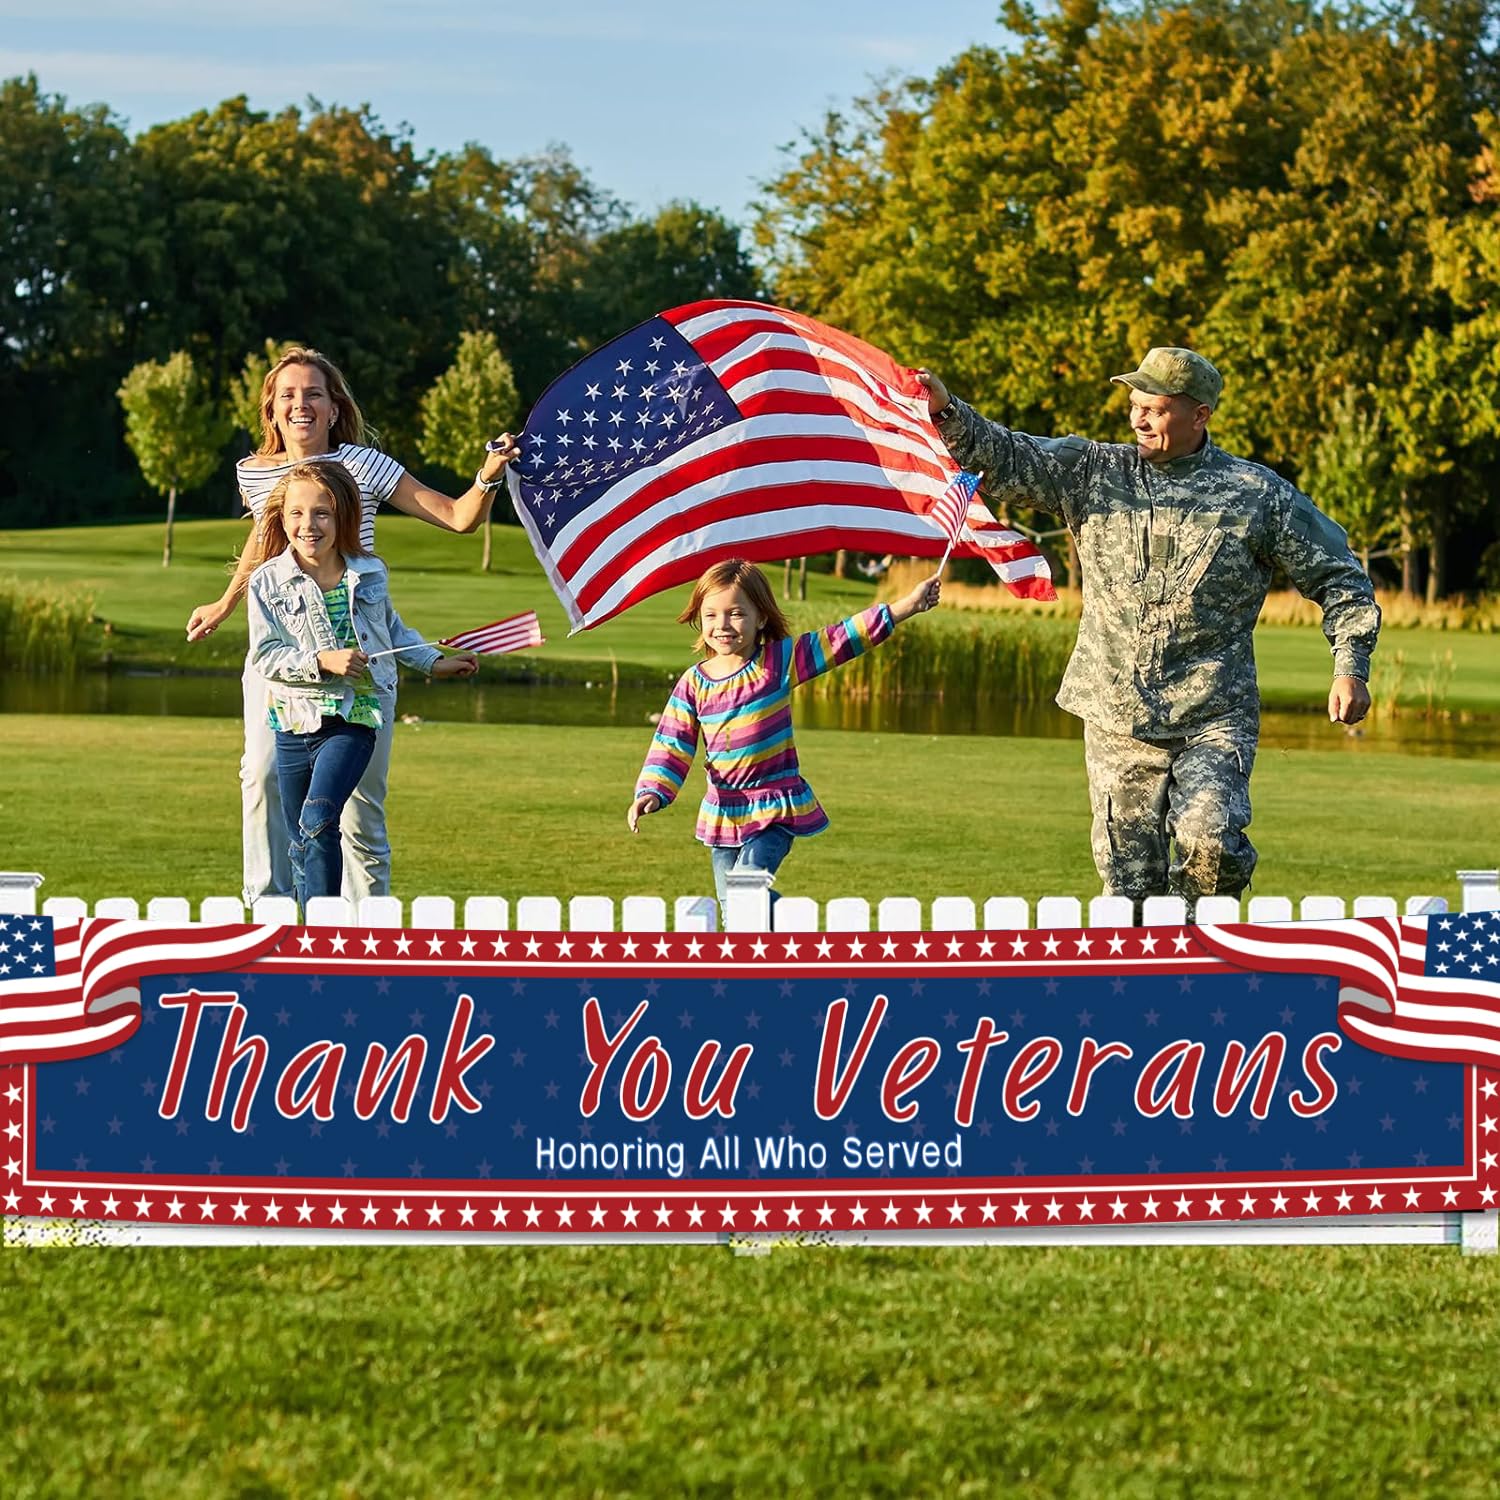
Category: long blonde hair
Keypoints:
(349, 425)
(337, 483)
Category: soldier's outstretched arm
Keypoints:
(1313, 551)
(1047, 473)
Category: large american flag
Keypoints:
(1413, 987)
(71, 990)
(735, 429)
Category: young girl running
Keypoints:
(308, 412)
(739, 696)
(321, 632)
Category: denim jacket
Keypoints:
(289, 625)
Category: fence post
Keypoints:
(1479, 1234)
(747, 901)
(18, 890)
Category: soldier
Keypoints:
(1177, 542)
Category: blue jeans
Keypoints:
(761, 851)
(267, 870)
(316, 774)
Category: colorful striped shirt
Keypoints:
(745, 720)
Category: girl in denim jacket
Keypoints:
(324, 635)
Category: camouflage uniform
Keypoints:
(1176, 558)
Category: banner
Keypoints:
(473, 1082)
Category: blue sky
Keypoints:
(656, 100)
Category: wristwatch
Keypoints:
(945, 413)
(489, 485)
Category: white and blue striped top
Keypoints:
(377, 474)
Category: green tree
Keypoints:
(1349, 475)
(1266, 180)
(472, 400)
(70, 264)
(174, 429)
(67, 228)
(243, 396)
(310, 228)
(684, 253)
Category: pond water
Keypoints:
(628, 705)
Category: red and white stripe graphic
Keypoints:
(1387, 998)
(93, 1001)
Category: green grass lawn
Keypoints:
(438, 588)
(637, 1371)
(539, 810)
(1104, 1372)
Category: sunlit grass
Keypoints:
(534, 809)
(687, 1371)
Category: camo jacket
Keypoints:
(1176, 559)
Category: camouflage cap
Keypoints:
(1175, 372)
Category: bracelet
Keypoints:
(488, 485)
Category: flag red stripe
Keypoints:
(769, 503)
(758, 317)
(1487, 1031)
(774, 547)
(513, 633)
(104, 957)
(597, 541)
(744, 372)
(787, 401)
(1384, 957)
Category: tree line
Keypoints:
(213, 236)
(1306, 192)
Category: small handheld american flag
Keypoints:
(951, 508)
(514, 633)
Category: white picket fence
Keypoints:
(748, 910)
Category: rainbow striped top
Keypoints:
(745, 719)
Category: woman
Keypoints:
(307, 412)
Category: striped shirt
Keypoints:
(377, 474)
(745, 719)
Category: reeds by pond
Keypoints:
(43, 628)
(976, 657)
(1399, 686)
(1282, 607)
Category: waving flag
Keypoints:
(735, 429)
(952, 508)
(1413, 987)
(74, 990)
(514, 633)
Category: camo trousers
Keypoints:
(1170, 815)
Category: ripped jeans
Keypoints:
(316, 774)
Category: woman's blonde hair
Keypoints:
(736, 573)
(348, 425)
(337, 483)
